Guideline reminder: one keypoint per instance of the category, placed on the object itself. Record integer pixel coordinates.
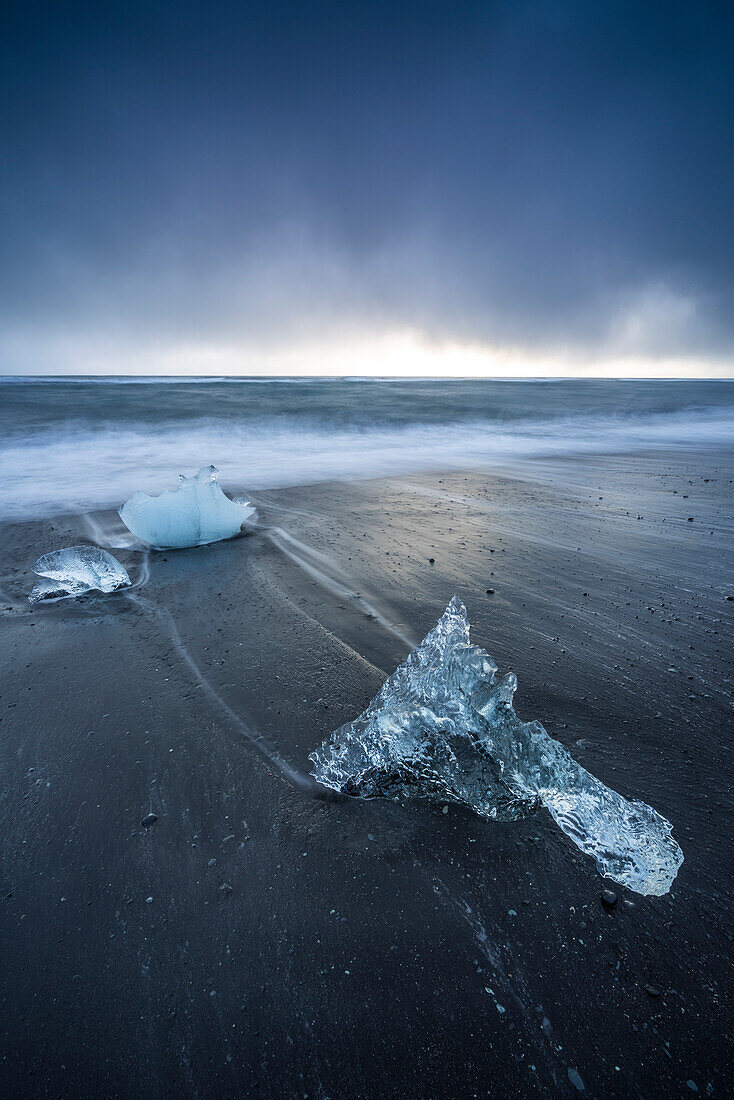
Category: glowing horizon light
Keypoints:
(402, 354)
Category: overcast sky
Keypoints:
(225, 186)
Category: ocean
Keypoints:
(78, 444)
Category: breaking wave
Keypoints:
(82, 467)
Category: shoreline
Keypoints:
(337, 935)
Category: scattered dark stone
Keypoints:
(608, 898)
(730, 597)
(149, 820)
(652, 991)
(431, 560)
(490, 591)
(690, 519)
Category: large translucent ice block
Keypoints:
(76, 570)
(443, 727)
(194, 514)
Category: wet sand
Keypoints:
(298, 944)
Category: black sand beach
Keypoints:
(265, 938)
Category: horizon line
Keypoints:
(111, 377)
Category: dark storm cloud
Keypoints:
(548, 174)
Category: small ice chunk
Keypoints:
(443, 727)
(76, 570)
(194, 514)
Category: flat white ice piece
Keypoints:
(76, 570)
